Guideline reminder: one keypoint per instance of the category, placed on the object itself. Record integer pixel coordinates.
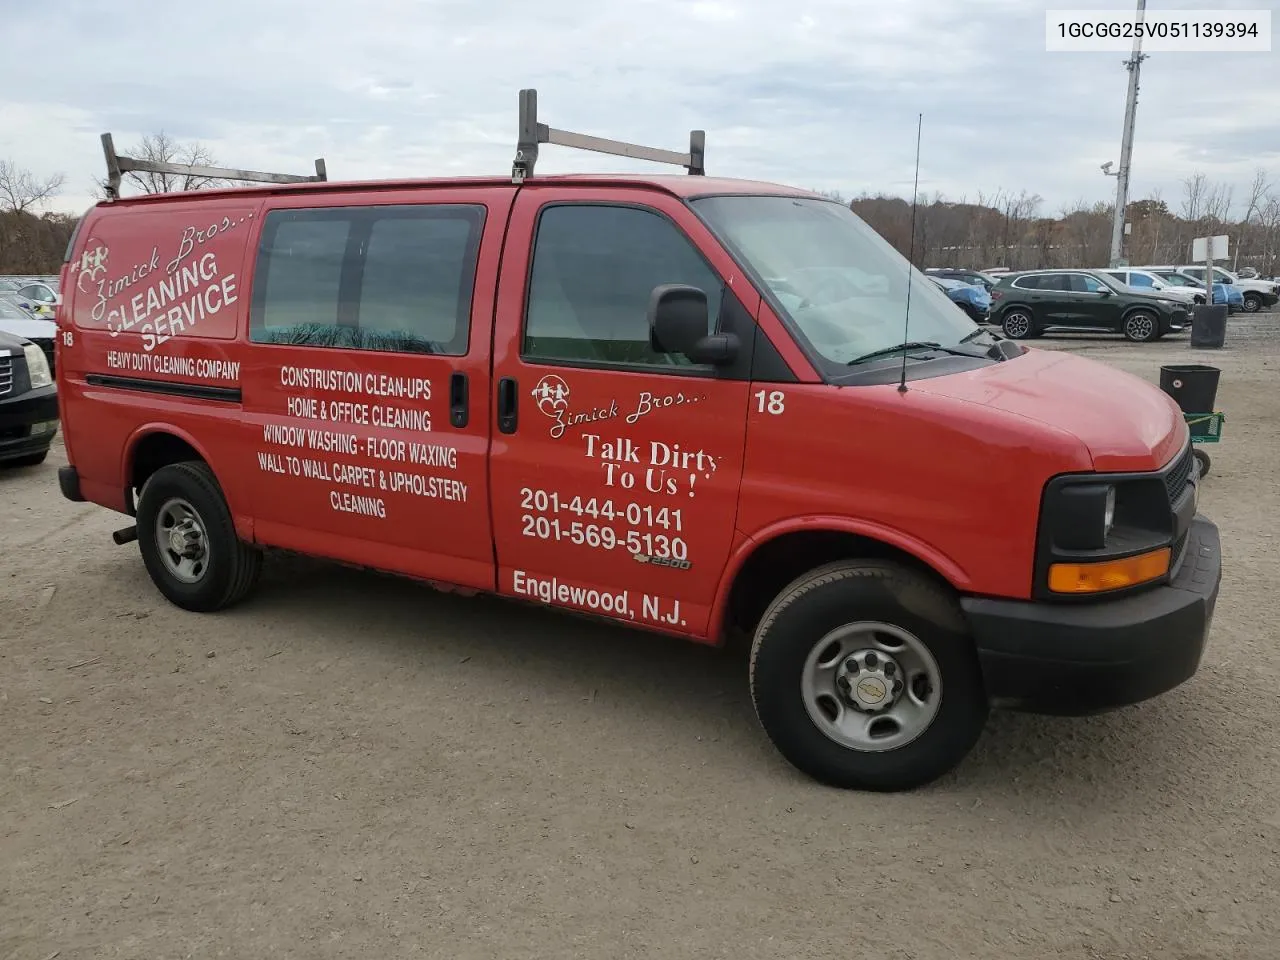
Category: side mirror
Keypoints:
(678, 320)
(1105, 291)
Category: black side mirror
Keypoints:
(678, 320)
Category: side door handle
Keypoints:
(459, 410)
(507, 406)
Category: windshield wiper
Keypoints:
(909, 345)
(975, 335)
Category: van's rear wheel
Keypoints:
(863, 676)
(188, 540)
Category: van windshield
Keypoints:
(842, 285)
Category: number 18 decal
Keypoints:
(773, 401)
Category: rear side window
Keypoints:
(1029, 283)
(594, 268)
(393, 278)
(1138, 280)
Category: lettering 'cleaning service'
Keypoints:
(175, 304)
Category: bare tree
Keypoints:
(1195, 188)
(1259, 191)
(20, 189)
(162, 148)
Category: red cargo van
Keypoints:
(689, 404)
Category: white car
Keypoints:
(1145, 282)
(1256, 293)
(17, 321)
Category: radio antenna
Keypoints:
(911, 255)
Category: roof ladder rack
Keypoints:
(117, 166)
(533, 133)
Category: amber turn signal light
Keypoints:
(1109, 574)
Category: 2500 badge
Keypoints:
(662, 561)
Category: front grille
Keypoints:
(1178, 475)
(6, 375)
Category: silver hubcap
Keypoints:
(181, 540)
(1251, 304)
(1140, 327)
(871, 686)
(1017, 324)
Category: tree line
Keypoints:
(1001, 229)
(1007, 229)
(34, 241)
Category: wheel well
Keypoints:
(780, 561)
(157, 450)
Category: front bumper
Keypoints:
(1073, 659)
(975, 314)
(28, 423)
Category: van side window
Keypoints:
(594, 268)
(394, 278)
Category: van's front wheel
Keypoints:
(188, 540)
(863, 677)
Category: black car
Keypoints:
(28, 403)
(974, 278)
(1028, 304)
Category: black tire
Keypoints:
(232, 566)
(1022, 326)
(1205, 462)
(1141, 326)
(1252, 303)
(846, 592)
(30, 460)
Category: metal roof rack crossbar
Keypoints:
(533, 133)
(118, 166)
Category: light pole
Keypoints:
(1134, 66)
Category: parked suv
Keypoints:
(969, 297)
(1222, 292)
(28, 403)
(1146, 282)
(1030, 303)
(1256, 294)
(698, 406)
(973, 277)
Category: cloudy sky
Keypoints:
(817, 93)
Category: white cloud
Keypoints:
(817, 93)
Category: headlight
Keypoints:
(37, 366)
(1098, 534)
(1084, 515)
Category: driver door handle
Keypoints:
(508, 408)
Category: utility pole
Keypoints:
(1133, 65)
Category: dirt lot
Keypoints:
(350, 765)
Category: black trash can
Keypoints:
(1209, 325)
(1193, 385)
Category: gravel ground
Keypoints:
(351, 765)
